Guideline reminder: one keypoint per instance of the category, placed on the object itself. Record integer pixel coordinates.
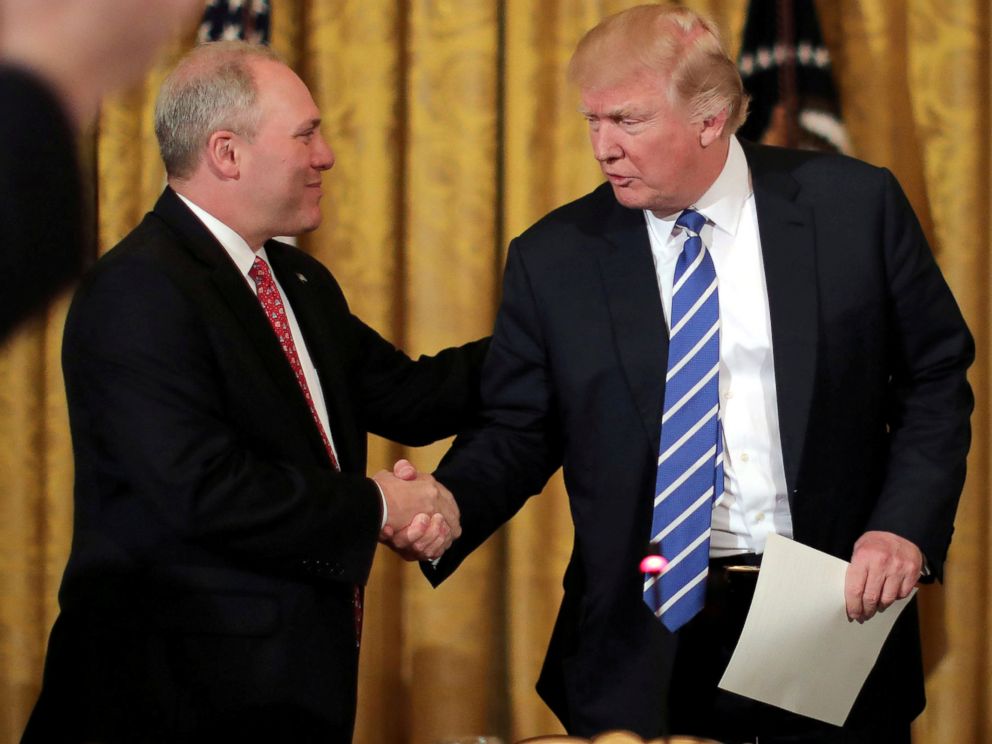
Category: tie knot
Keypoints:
(258, 270)
(691, 220)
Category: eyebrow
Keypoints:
(618, 112)
(307, 126)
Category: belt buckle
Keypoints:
(742, 569)
(740, 574)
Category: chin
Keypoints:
(311, 225)
(628, 199)
(307, 224)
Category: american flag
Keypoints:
(787, 72)
(236, 19)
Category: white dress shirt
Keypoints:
(755, 503)
(244, 258)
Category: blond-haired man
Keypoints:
(723, 342)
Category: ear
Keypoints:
(223, 154)
(712, 128)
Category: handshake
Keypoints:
(422, 518)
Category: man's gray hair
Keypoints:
(210, 89)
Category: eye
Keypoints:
(626, 122)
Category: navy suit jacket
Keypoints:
(870, 352)
(208, 594)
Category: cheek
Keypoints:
(653, 163)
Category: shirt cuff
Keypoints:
(385, 510)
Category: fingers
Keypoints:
(421, 495)
(891, 591)
(908, 584)
(884, 567)
(854, 589)
(435, 540)
(872, 594)
(404, 470)
(405, 538)
(448, 507)
(426, 538)
(405, 499)
(423, 518)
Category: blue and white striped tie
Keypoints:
(690, 459)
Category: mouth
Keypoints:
(618, 180)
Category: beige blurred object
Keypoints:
(470, 740)
(88, 48)
(616, 737)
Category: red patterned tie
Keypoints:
(268, 295)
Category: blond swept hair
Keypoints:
(673, 42)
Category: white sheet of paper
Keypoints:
(798, 651)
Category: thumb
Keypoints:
(404, 470)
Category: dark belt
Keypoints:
(730, 586)
(735, 568)
(744, 560)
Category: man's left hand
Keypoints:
(884, 568)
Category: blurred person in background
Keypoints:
(58, 58)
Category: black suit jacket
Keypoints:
(870, 356)
(208, 594)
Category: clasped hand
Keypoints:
(884, 567)
(422, 517)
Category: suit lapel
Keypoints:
(788, 247)
(247, 311)
(635, 307)
(323, 336)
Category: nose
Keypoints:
(322, 155)
(605, 147)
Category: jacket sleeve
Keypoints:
(493, 469)
(416, 402)
(929, 402)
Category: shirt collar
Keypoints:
(723, 202)
(233, 244)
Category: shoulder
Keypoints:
(573, 237)
(144, 280)
(823, 174)
(584, 216)
(148, 252)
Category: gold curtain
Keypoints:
(453, 131)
